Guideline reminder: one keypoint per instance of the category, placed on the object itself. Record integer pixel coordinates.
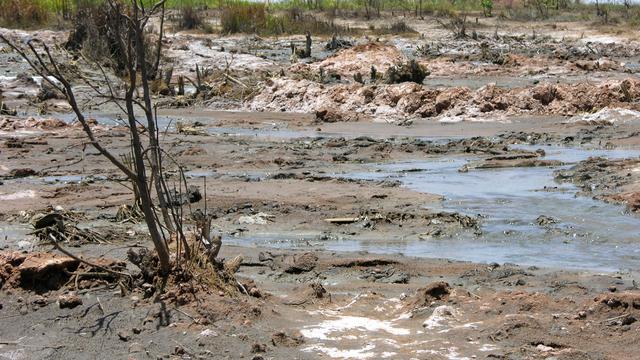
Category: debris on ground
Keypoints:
(406, 72)
(256, 219)
(38, 271)
(69, 301)
(300, 263)
(398, 101)
(309, 294)
(432, 293)
(357, 59)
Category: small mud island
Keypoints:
(322, 179)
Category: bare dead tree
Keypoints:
(307, 47)
(132, 46)
(156, 65)
(456, 24)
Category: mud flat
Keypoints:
(340, 289)
(488, 212)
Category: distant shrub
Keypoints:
(487, 7)
(98, 32)
(189, 18)
(398, 27)
(23, 12)
(253, 18)
(243, 18)
(406, 72)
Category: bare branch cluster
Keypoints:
(144, 166)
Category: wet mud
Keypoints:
(487, 212)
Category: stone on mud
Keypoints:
(22, 172)
(192, 195)
(309, 294)
(389, 276)
(628, 300)
(544, 220)
(328, 115)
(545, 93)
(301, 263)
(47, 92)
(38, 266)
(194, 151)
(433, 292)
(69, 301)
(258, 348)
(37, 271)
(281, 338)
(439, 317)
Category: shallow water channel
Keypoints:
(589, 234)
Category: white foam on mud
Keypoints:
(608, 115)
(449, 353)
(601, 39)
(403, 316)
(428, 351)
(38, 80)
(396, 304)
(488, 347)
(385, 114)
(363, 353)
(392, 343)
(353, 301)
(257, 219)
(451, 119)
(452, 354)
(7, 79)
(199, 53)
(20, 132)
(324, 329)
(454, 119)
(439, 317)
(13, 354)
(24, 194)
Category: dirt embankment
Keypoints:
(347, 102)
(357, 59)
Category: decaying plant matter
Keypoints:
(456, 24)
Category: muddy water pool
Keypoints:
(585, 233)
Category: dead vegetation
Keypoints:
(256, 19)
(456, 24)
(189, 18)
(23, 13)
(98, 32)
(407, 72)
(146, 165)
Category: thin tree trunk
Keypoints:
(156, 66)
(145, 196)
